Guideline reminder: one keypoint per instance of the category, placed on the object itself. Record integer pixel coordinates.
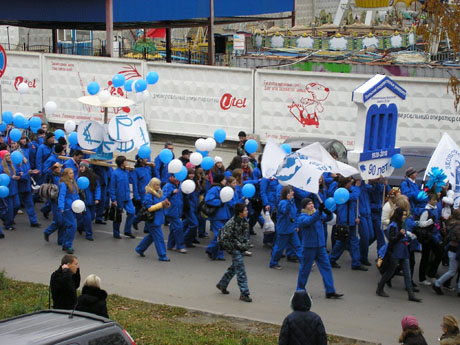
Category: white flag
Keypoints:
(271, 159)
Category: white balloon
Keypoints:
(50, 108)
(200, 144)
(104, 96)
(143, 96)
(69, 126)
(23, 88)
(188, 186)
(210, 144)
(196, 158)
(175, 166)
(78, 206)
(226, 194)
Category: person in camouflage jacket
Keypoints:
(234, 238)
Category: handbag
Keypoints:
(115, 214)
(145, 215)
(208, 210)
(343, 231)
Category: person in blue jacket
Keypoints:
(68, 193)
(74, 162)
(411, 189)
(172, 192)
(56, 224)
(12, 200)
(310, 221)
(121, 196)
(286, 230)
(365, 229)
(154, 201)
(398, 247)
(103, 174)
(91, 197)
(44, 151)
(190, 211)
(143, 173)
(53, 158)
(222, 215)
(268, 188)
(377, 194)
(347, 216)
(161, 169)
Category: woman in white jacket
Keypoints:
(388, 209)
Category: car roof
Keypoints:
(50, 326)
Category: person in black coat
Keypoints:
(93, 298)
(302, 326)
(64, 283)
(411, 334)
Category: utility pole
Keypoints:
(109, 27)
(293, 15)
(211, 50)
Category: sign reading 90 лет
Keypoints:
(2, 61)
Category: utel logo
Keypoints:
(227, 101)
(19, 80)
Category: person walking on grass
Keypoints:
(234, 238)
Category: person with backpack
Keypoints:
(68, 193)
(233, 237)
(56, 224)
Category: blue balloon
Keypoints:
(15, 135)
(220, 135)
(4, 191)
(83, 182)
(287, 148)
(182, 174)
(19, 120)
(140, 85)
(166, 156)
(7, 117)
(330, 204)
(248, 190)
(73, 138)
(2, 127)
(58, 133)
(35, 122)
(251, 146)
(207, 163)
(118, 80)
(203, 153)
(144, 151)
(93, 88)
(17, 157)
(397, 161)
(34, 129)
(25, 124)
(4, 180)
(129, 85)
(341, 196)
(152, 77)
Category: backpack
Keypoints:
(49, 191)
(224, 238)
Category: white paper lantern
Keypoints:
(50, 108)
(78, 206)
(196, 158)
(188, 186)
(175, 166)
(23, 88)
(70, 126)
(104, 96)
(200, 144)
(210, 144)
(226, 194)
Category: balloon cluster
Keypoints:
(20, 122)
(4, 182)
(437, 178)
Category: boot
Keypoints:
(380, 291)
(412, 297)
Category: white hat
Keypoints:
(218, 159)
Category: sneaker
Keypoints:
(20, 211)
(334, 295)
(142, 255)
(251, 245)
(450, 289)
(437, 289)
(245, 298)
(222, 289)
(276, 267)
(164, 259)
(335, 265)
(426, 283)
(129, 235)
(182, 251)
(247, 253)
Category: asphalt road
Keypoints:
(189, 281)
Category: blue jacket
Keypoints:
(332, 188)
(68, 164)
(212, 198)
(13, 185)
(299, 195)
(66, 197)
(150, 200)
(119, 186)
(312, 230)
(342, 209)
(237, 197)
(285, 217)
(52, 159)
(268, 189)
(398, 242)
(92, 196)
(143, 175)
(364, 200)
(411, 190)
(376, 198)
(43, 152)
(161, 170)
(175, 210)
(24, 181)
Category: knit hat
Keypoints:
(84, 164)
(58, 148)
(410, 171)
(244, 159)
(219, 178)
(305, 202)
(300, 301)
(409, 321)
(218, 159)
(49, 135)
(450, 321)
(3, 153)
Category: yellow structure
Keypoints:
(372, 3)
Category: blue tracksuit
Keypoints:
(143, 175)
(411, 190)
(56, 224)
(314, 249)
(352, 241)
(52, 159)
(366, 232)
(120, 193)
(155, 234)
(103, 174)
(191, 217)
(65, 200)
(161, 170)
(174, 214)
(12, 200)
(285, 231)
(218, 221)
(85, 219)
(70, 163)
(43, 152)
(25, 191)
(268, 188)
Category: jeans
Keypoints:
(391, 270)
(236, 268)
(453, 266)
